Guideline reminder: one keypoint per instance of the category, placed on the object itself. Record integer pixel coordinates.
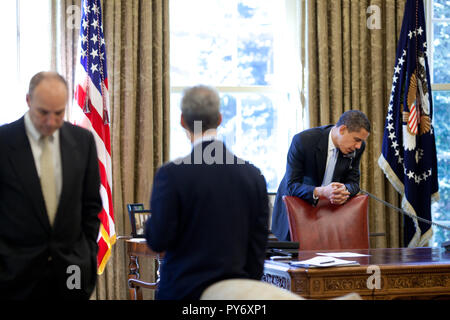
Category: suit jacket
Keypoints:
(305, 169)
(29, 246)
(210, 219)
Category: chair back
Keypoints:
(138, 217)
(328, 226)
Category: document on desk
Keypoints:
(343, 254)
(322, 262)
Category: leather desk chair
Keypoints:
(328, 226)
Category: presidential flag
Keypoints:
(408, 156)
(91, 111)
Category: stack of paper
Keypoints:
(322, 262)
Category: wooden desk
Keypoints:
(405, 273)
(137, 247)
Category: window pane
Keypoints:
(8, 55)
(441, 9)
(231, 45)
(33, 54)
(35, 38)
(196, 51)
(441, 209)
(441, 57)
(248, 49)
(255, 42)
(250, 130)
(179, 143)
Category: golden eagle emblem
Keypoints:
(417, 121)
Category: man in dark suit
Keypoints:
(49, 200)
(322, 162)
(209, 209)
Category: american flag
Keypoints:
(91, 111)
(408, 156)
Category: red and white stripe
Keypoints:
(413, 120)
(94, 121)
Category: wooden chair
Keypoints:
(328, 226)
(138, 217)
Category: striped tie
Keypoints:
(48, 183)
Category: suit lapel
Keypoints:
(341, 166)
(25, 168)
(338, 168)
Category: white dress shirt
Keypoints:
(36, 148)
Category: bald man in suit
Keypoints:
(49, 200)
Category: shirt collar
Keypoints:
(206, 137)
(33, 132)
(331, 145)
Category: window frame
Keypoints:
(292, 23)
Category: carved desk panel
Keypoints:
(403, 273)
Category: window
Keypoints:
(248, 50)
(25, 26)
(438, 28)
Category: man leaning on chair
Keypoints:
(322, 162)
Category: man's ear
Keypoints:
(28, 98)
(183, 123)
(342, 129)
(219, 121)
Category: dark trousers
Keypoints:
(46, 288)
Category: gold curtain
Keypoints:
(137, 49)
(65, 33)
(350, 66)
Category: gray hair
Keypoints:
(201, 103)
(354, 120)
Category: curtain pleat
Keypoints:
(64, 41)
